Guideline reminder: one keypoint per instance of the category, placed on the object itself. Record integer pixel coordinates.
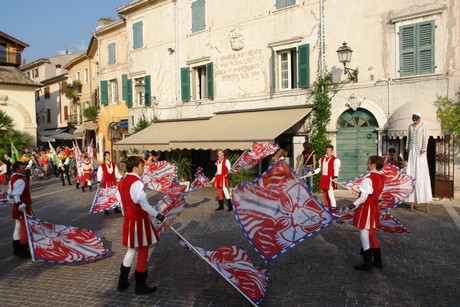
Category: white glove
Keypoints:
(22, 207)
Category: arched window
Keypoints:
(358, 118)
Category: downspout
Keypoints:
(321, 33)
(98, 86)
(177, 51)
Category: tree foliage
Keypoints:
(19, 139)
(448, 113)
(143, 123)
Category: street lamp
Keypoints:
(344, 53)
(140, 90)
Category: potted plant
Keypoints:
(184, 168)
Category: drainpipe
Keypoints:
(177, 51)
(98, 85)
(321, 33)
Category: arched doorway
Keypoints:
(356, 141)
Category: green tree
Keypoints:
(448, 113)
(19, 139)
(143, 123)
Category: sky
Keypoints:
(52, 26)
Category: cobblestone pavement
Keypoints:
(420, 269)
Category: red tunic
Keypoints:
(108, 179)
(25, 197)
(87, 168)
(222, 180)
(367, 215)
(325, 179)
(137, 227)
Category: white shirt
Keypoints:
(139, 196)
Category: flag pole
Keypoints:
(204, 258)
(348, 188)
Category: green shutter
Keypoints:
(425, 47)
(283, 3)
(112, 53)
(147, 91)
(124, 87)
(198, 15)
(138, 35)
(407, 52)
(129, 96)
(210, 77)
(104, 93)
(185, 83)
(304, 65)
(272, 72)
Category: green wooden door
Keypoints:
(356, 141)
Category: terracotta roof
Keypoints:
(13, 76)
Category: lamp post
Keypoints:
(344, 53)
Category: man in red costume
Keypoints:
(329, 166)
(87, 167)
(138, 231)
(19, 189)
(221, 180)
(367, 213)
(107, 175)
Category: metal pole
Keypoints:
(321, 34)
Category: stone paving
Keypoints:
(420, 269)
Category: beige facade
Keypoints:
(110, 54)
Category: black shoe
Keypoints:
(77, 186)
(367, 265)
(24, 252)
(16, 247)
(219, 209)
(221, 205)
(116, 210)
(141, 287)
(106, 212)
(123, 280)
(377, 258)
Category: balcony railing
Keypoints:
(74, 119)
(10, 58)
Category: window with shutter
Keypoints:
(104, 92)
(138, 38)
(129, 95)
(198, 15)
(148, 94)
(112, 53)
(124, 87)
(185, 83)
(284, 3)
(210, 79)
(304, 66)
(416, 49)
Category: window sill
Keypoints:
(424, 76)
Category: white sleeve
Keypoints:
(366, 189)
(18, 188)
(139, 196)
(117, 173)
(228, 165)
(99, 174)
(337, 165)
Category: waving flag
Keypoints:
(61, 243)
(234, 265)
(170, 206)
(14, 153)
(398, 186)
(54, 156)
(158, 176)
(250, 158)
(277, 211)
(78, 160)
(105, 199)
(6, 202)
(200, 181)
(387, 223)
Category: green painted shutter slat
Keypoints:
(185, 83)
(284, 3)
(426, 47)
(138, 35)
(112, 53)
(304, 66)
(198, 15)
(210, 77)
(147, 92)
(129, 100)
(124, 87)
(104, 93)
(407, 50)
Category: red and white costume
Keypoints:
(3, 171)
(107, 174)
(20, 190)
(223, 166)
(329, 166)
(87, 167)
(367, 213)
(138, 229)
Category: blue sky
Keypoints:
(50, 26)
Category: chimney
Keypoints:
(105, 21)
(23, 62)
(58, 69)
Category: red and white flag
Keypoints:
(105, 199)
(236, 267)
(200, 181)
(62, 243)
(398, 186)
(277, 211)
(252, 157)
(170, 206)
(387, 223)
(158, 176)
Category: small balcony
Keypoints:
(74, 119)
(10, 58)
